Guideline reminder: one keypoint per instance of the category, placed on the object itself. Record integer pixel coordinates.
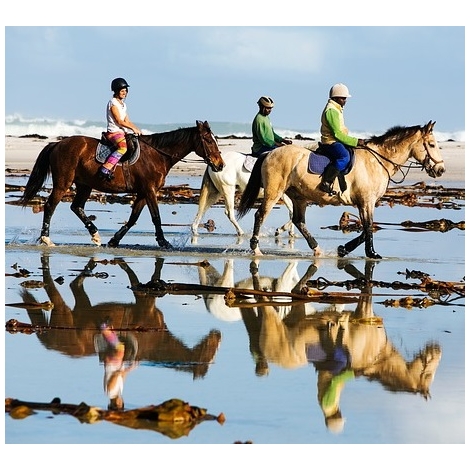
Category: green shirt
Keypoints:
(263, 133)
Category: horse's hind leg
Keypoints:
(288, 226)
(229, 197)
(208, 196)
(49, 208)
(78, 208)
(260, 216)
(298, 218)
(137, 207)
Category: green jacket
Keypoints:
(333, 128)
(263, 133)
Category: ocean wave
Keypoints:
(16, 125)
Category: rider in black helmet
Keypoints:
(118, 125)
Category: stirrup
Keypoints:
(327, 188)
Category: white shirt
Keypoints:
(112, 124)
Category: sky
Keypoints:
(397, 75)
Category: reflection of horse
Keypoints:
(72, 160)
(285, 170)
(215, 303)
(225, 183)
(76, 327)
(342, 344)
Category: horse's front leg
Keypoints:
(157, 222)
(78, 208)
(367, 236)
(137, 207)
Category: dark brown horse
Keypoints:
(72, 160)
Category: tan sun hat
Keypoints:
(266, 101)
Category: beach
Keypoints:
(21, 153)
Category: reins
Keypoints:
(175, 156)
(156, 149)
(399, 167)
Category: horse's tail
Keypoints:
(250, 194)
(39, 173)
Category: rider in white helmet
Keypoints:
(334, 137)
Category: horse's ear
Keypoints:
(429, 126)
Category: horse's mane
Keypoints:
(170, 138)
(395, 133)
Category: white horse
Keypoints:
(288, 281)
(225, 183)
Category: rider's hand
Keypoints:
(287, 141)
(361, 142)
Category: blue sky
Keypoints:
(397, 75)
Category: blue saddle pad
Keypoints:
(318, 162)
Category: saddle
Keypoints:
(105, 148)
(249, 162)
(317, 162)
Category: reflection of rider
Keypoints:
(332, 360)
(115, 368)
(334, 136)
(264, 137)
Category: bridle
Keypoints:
(204, 146)
(207, 136)
(424, 165)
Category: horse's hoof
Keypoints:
(342, 251)
(165, 245)
(113, 243)
(373, 255)
(96, 239)
(317, 251)
(46, 241)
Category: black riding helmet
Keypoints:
(118, 84)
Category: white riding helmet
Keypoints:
(340, 91)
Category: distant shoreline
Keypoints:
(21, 153)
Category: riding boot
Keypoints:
(107, 169)
(328, 178)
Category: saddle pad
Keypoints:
(317, 163)
(103, 151)
(249, 163)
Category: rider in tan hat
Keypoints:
(264, 137)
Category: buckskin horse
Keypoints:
(72, 160)
(285, 170)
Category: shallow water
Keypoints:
(268, 370)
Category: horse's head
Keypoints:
(209, 150)
(426, 151)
